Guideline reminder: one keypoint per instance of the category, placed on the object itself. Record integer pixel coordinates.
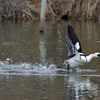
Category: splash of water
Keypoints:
(48, 68)
(23, 68)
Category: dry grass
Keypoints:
(16, 9)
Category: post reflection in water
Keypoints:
(42, 50)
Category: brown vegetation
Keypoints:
(83, 9)
(65, 9)
(16, 9)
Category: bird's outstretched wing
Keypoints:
(72, 35)
(71, 48)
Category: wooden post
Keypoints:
(42, 16)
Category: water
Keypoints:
(29, 61)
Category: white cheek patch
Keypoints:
(77, 46)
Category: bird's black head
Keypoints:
(98, 55)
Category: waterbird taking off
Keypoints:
(77, 58)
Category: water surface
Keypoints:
(29, 61)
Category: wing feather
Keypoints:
(71, 48)
(72, 35)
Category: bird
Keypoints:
(77, 58)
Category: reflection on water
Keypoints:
(28, 62)
(44, 87)
(42, 49)
(79, 88)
